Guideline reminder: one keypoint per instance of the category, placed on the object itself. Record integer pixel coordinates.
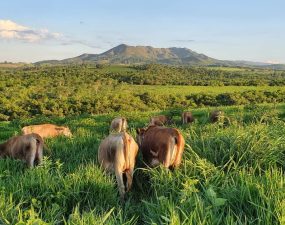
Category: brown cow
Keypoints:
(47, 130)
(159, 120)
(187, 117)
(117, 154)
(161, 145)
(216, 116)
(28, 148)
(118, 124)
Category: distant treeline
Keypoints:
(153, 74)
(201, 76)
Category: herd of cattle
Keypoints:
(118, 151)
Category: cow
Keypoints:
(118, 124)
(159, 120)
(161, 145)
(28, 148)
(117, 154)
(47, 130)
(187, 117)
(216, 116)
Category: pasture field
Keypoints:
(187, 90)
(229, 175)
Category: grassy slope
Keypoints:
(231, 175)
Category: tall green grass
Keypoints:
(230, 174)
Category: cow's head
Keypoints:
(140, 135)
(64, 131)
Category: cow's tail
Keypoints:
(180, 143)
(123, 125)
(127, 170)
(40, 142)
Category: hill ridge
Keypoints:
(127, 54)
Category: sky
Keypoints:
(34, 30)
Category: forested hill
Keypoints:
(125, 54)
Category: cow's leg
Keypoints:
(179, 151)
(119, 168)
(170, 152)
(39, 154)
(178, 159)
(120, 182)
(31, 153)
(167, 159)
(129, 175)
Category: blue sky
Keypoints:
(34, 30)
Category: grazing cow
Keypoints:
(28, 148)
(117, 154)
(161, 145)
(118, 124)
(160, 120)
(216, 116)
(47, 130)
(187, 117)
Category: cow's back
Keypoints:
(157, 141)
(159, 120)
(16, 146)
(187, 117)
(216, 115)
(44, 130)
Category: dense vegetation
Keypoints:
(93, 89)
(201, 76)
(231, 175)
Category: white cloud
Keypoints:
(11, 30)
(273, 62)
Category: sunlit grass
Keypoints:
(172, 89)
(229, 175)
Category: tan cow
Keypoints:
(117, 154)
(161, 145)
(118, 124)
(187, 117)
(159, 120)
(216, 116)
(28, 148)
(47, 130)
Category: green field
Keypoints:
(184, 90)
(230, 175)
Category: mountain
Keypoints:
(125, 54)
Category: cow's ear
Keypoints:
(59, 128)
